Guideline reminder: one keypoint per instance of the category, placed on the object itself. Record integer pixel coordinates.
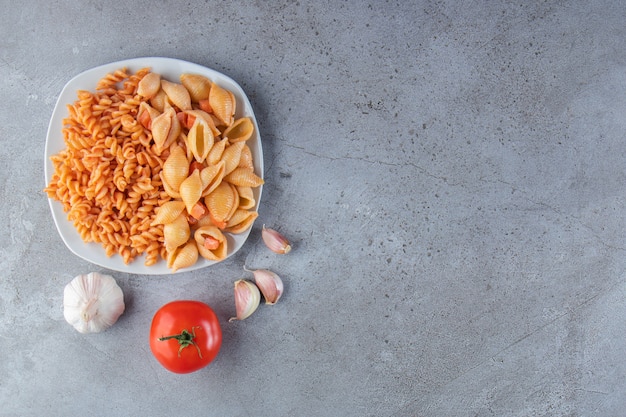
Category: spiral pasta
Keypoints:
(107, 177)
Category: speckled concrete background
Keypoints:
(452, 177)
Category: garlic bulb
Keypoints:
(270, 284)
(247, 299)
(275, 241)
(92, 302)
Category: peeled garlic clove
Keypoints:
(270, 285)
(247, 299)
(92, 302)
(275, 241)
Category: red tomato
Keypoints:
(185, 336)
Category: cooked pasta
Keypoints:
(128, 153)
(105, 188)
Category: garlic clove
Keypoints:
(247, 299)
(270, 285)
(275, 241)
(92, 302)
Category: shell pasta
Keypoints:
(128, 153)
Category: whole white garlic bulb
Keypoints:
(92, 302)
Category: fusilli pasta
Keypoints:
(107, 177)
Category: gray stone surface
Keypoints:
(452, 177)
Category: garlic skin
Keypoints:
(247, 299)
(276, 242)
(270, 285)
(92, 302)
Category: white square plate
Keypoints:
(170, 69)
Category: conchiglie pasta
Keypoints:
(211, 243)
(169, 212)
(175, 169)
(240, 131)
(245, 160)
(183, 257)
(176, 233)
(231, 156)
(149, 85)
(200, 139)
(223, 104)
(246, 197)
(191, 190)
(222, 203)
(212, 177)
(159, 100)
(240, 221)
(244, 177)
(216, 152)
(165, 129)
(190, 117)
(177, 94)
(197, 85)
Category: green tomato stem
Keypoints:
(184, 339)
